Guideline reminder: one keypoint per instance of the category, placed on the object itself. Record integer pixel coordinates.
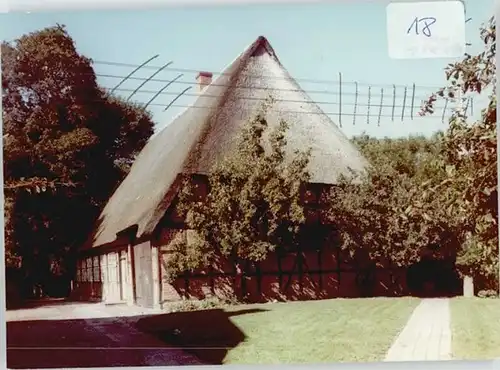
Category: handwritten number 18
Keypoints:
(416, 26)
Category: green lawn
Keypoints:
(320, 331)
(475, 325)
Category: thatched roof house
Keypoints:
(208, 129)
(125, 264)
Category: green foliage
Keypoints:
(253, 205)
(470, 151)
(439, 192)
(421, 196)
(67, 144)
(187, 305)
(389, 215)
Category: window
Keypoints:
(315, 236)
(83, 271)
(310, 197)
(89, 269)
(97, 275)
(79, 271)
(103, 269)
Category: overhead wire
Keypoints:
(305, 80)
(305, 112)
(253, 98)
(264, 88)
(340, 93)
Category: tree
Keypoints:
(253, 205)
(439, 192)
(388, 215)
(470, 151)
(65, 143)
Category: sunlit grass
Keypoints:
(475, 325)
(337, 330)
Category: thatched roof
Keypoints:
(207, 131)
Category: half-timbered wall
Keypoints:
(318, 269)
(308, 274)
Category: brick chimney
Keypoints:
(204, 79)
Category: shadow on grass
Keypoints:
(207, 334)
(183, 338)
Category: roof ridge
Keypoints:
(263, 42)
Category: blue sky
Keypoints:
(313, 41)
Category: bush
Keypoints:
(487, 294)
(197, 305)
